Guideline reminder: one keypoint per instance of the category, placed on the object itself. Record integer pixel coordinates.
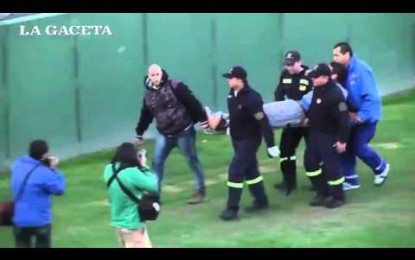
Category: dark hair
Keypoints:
(341, 71)
(126, 156)
(344, 47)
(38, 148)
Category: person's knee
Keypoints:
(362, 150)
(157, 162)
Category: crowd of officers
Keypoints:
(332, 121)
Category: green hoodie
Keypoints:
(124, 212)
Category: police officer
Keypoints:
(329, 127)
(293, 84)
(247, 124)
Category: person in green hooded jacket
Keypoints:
(136, 177)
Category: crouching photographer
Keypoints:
(132, 190)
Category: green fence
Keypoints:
(83, 93)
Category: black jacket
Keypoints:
(328, 112)
(247, 118)
(293, 86)
(183, 94)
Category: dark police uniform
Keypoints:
(329, 123)
(247, 123)
(291, 87)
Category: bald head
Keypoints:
(154, 74)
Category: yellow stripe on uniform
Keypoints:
(292, 158)
(287, 81)
(314, 173)
(256, 180)
(238, 185)
(304, 81)
(336, 182)
(283, 159)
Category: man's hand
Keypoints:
(340, 147)
(204, 125)
(273, 152)
(139, 140)
(305, 123)
(355, 119)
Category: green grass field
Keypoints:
(373, 217)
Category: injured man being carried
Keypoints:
(281, 114)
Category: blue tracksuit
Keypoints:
(365, 100)
(363, 91)
(34, 208)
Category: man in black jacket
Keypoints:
(176, 110)
(293, 84)
(247, 125)
(329, 129)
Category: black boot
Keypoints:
(228, 214)
(257, 206)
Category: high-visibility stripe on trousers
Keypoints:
(336, 182)
(314, 173)
(237, 185)
(256, 180)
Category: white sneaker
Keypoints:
(381, 178)
(348, 186)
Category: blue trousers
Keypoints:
(358, 146)
(186, 142)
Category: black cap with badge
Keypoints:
(236, 72)
(322, 69)
(291, 57)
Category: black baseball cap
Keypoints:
(292, 57)
(236, 72)
(322, 69)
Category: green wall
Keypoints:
(84, 93)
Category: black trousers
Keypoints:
(244, 167)
(322, 165)
(290, 139)
(23, 236)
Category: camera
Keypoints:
(46, 161)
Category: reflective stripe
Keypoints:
(292, 158)
(314, 173)
(287, 81)
(237, 185)
(336, 182)
(256, 180)
(354, 176)
(304, 81)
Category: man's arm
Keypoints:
(369, 95)
(54, 182)
(191, 103)
(339, 110)
(279, 92)
(146, 117)
(256, 109)
(144, 180)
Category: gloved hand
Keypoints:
(273, 152)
